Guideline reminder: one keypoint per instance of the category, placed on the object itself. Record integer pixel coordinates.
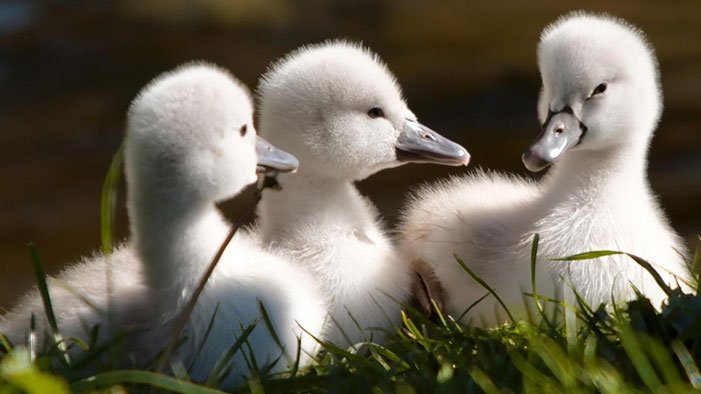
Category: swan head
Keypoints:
(339, 109)
(190, 136)
(600, 88)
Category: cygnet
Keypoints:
(599, 105)
(190, 143)
(339, 110)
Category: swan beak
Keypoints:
(272, 159)
(561, 132)
(419, 144)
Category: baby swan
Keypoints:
(338, 109)
(599, 106)
(190, 143)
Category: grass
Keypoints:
(634, 349)
(628, 349)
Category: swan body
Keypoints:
(190, 143)
(339, 110)
(84, 280)
(599, 106)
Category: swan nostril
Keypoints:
(559, 130)
(429, 137)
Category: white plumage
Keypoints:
(190, 143)
(600, 103)
(338, 109)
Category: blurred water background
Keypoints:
(68, 70)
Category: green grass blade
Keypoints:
(271, 330)
(441, 318)
(226, 358)
(555, 359)
(534, 259)
(570, 329)
(78, 342)
(532, 375)
(387, 353)
(413, 331)
(252, 356)
(355, 322)
(108, 207)
(485, 285)
(298, 356)
(96, 351)
(378, 357)
(483, 380)
(653, 272)
(695, 266)
(152, 379)
(7, 346)
(179, 370)
(32, 339)
(255, 385)
(19, 370)
(605, 377)
(474, 304)
(40, 276)
(382, 310)
(108, 200)
(687, 362)
(340, 328)
(640, 361)
(602, 253)
(267, 368)
(661, 358)
(587, 255)
(204, 338)
(647, 266)
(333, 349)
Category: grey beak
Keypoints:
(561, 132)
(272, 159)
(419, 144)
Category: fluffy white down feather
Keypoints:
(596, 196)
(186, 149)
(315, 103)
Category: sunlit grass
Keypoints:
(625, 349)
(634, 348)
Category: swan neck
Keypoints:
(309, 200)
(601, 172)
(176, 241)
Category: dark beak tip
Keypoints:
(419, 144)
(533, 161)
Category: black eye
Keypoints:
(376, 112)
(599, 89)
(243, 130)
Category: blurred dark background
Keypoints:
(68, 70)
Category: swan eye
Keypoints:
(243, 130)
(599, 89)
(376, 112)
